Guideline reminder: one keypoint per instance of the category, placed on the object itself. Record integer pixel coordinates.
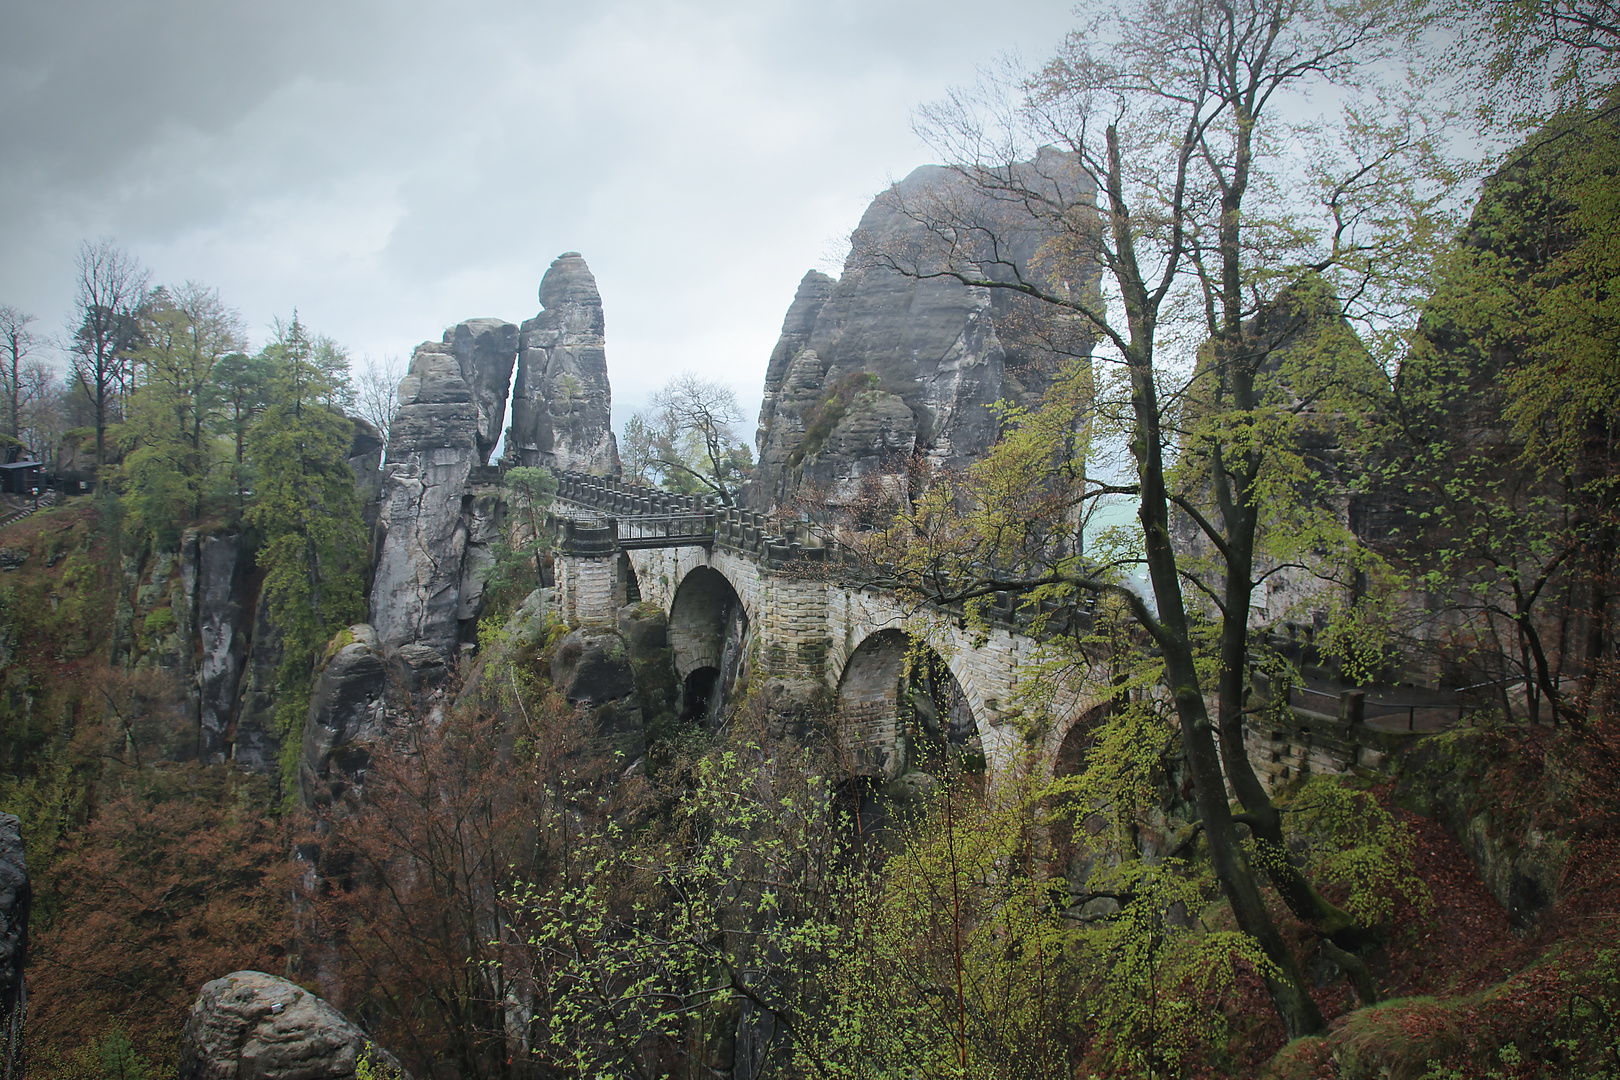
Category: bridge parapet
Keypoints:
(648, 518)
(682, 517)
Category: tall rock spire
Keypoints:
(438, 513)
(561, 399)
(878, 369)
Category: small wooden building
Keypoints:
(22, 477)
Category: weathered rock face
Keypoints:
(622, 679)
(486, 350)
(593, 671)
(253, 1026)
(561, 400)
(876, 367)
(348, 714)
(439, 510)
(14, 903)
(256, 743)
(224, 637)
(365, 460)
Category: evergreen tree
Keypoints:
(239, 388)
(313, 551)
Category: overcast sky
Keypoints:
(390, 168)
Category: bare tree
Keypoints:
(376, 391)
(691, 439)
(111, 287)
(42, 417)
(16, 342)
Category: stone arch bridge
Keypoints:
(729, 585)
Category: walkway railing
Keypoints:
(1421, 711)
(15, 516)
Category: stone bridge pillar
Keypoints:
(793, 625)
(587, 568)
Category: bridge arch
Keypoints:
(708, 637)
(900, 708)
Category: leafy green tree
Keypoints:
(170, 454)
(308, 512)
(1172, 181)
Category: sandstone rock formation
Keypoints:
(223, 637)
(365, 460)
(347, 714)
(439, 507)
(14, 903)
(876, 367)
(256, 743)
(561, 400)
(253, 1026)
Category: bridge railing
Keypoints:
(646, 518)
(684, 517)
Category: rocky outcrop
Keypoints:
(348, 715)
(877, 367)
(365, 460)
(593, 670)
(253, 1026)
(15, 894)
(561, 400)
(256, 742)
(439, 509)
(223, 634)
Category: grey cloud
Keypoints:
(392, 167)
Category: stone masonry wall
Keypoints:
(811, 628)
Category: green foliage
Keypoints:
(110, 1057)
(1156, 978)
(954, 962)
(1359, 847)
(238, 391)
(655, 938)
(524, 546)
(167, 439)
(307, 509)
(119, 1061)
(1500, 427)
(367, 1067)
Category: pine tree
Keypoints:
(313, 552)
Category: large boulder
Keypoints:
(593, 670)
(253, 1026)
(561, 399)
(876, 368)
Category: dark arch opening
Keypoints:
(1071, 859)
(698, 695)
(627, 577)
(901, 710)
(708, 628)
